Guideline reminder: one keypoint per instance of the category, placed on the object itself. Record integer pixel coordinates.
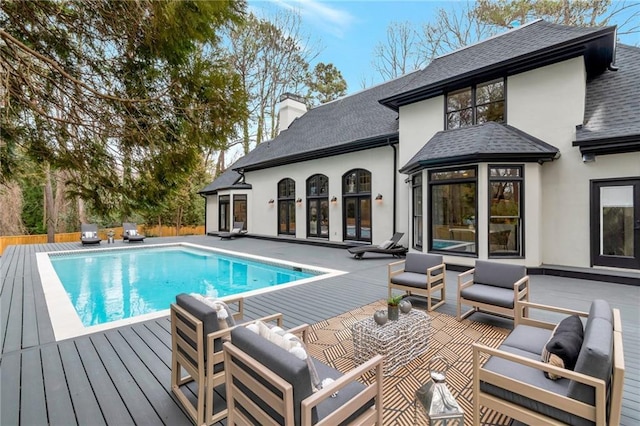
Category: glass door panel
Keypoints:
(324, 218)
(365, 219)
(615, 231)
(357, 219)
(350, 207)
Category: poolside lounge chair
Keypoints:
(196, 347)
(89, 234)
(386, 247)
(237, 231)
(130, 232)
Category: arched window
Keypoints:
(287, 207)
(318, 206)
(356, 195)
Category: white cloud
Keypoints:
(322, 15)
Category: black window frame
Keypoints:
(418, 224)
(238, 200)
(319, 196)
(224, 200)
(287, 198)
(447, 181)
(359, 192)
(521, 225)
(474, 102)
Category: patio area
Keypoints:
(122, 376)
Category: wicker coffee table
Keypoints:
(399, 341)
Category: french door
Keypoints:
(615, 223)
(318, 217)
(357, 211)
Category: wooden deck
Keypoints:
(122, 376)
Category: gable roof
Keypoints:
(489, 141)
(611, 123)
(530, 46)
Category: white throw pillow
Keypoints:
(386, 244)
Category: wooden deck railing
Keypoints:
(150, 231)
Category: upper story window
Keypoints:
(476, 104)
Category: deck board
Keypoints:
(122, 376)
(59, 405)
(105, 392)
(32, 403)
(84, 401)
(10, 395)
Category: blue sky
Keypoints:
(349, 30)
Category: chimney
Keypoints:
(291, 107)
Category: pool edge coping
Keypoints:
(66, 322)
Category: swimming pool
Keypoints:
(91, 290)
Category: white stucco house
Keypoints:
(524, 148)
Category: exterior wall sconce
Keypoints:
(334, 200)
(379, 198)
(271, 201)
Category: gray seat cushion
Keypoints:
(528, 338)
(530, 376)
(497, 296)
(601, 309)
(595, 358)
(497, 274)
(410, 279)
(329, 405)
(420, 262)
(207, 315)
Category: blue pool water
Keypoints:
(110, 285)
(444, 244)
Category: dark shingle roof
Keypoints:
(613, 99)
(229, 178)
(357, 120)
(517, 50)
(489, 141)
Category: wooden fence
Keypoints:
(149, 231)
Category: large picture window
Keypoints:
(453, 210)
(416, 184)
(476, 104)
(287, 207)
(505, 211)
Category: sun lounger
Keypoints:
(387, 247)
(89, 234)
(131, 233)
(236, 232)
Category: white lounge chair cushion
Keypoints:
(290, 343)
(386, 244)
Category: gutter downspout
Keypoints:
(395, 182)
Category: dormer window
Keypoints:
(476, 104)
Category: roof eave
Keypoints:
(563, 51)
(462, 160)
(355, 146)
(613, 145)
(225, 188)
